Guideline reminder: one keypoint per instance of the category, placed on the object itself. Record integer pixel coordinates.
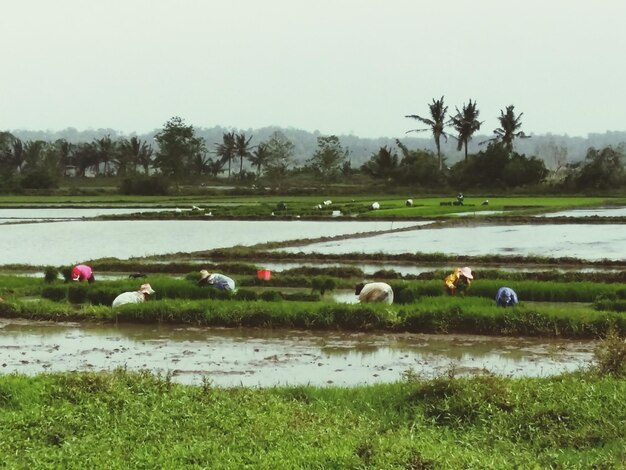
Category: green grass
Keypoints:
(122, 420)
(264, 205)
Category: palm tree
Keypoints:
(259, 157)
(106, 150)
(509, 129)
(436, 124)
(226, 150)
(242, 150)
(466, 123)
(133, 152)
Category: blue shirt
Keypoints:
(506, 297)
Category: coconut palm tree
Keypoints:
(259, 157)
(436, 124)
(242, 149)
(509, 129)
(466, 123)
(226, 150)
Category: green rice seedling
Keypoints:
(50, 274)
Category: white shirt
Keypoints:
(134, 297)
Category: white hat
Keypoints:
(204, 274)
(146, 289)
(467, 272)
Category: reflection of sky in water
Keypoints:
(69, 242)
(259, 357)
(592, 242)
(599, 212)
(24, 215)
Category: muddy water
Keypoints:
(251, 357)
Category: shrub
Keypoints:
(145, 185)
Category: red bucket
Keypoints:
(264, 274)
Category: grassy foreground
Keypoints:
(136, 420)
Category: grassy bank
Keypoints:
(126, 420)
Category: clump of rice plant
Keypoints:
(610, 355)
(50, 274)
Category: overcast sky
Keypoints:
(336, 66)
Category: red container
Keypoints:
(264, 274)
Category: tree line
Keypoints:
(177, 154)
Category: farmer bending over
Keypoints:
(460, 279)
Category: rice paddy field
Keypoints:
(122, 418)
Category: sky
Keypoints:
(343, 67)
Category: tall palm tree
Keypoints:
(242, 149)
(259, 157)
(226, 150)
(509, 128)
(466, 123)
(436, 124)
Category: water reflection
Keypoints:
(41, 214)
(251, 357)
(590, 242)
(58, 243)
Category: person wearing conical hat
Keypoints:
(217, 280)
(134, 297)
(461, 278)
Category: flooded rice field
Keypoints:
(57, 243)
(252, 357)
(597, 212)
(8, 216)
(590, 242)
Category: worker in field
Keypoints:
(217, 280)
(506, 297)
(459, 280)
(134, 297)
(82, 272)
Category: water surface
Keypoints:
(257, 357)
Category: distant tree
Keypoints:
(382, 164)
(65, 152)
(280, 152)
(509, 128)
(328, 159)
(418, 168)
(106, 151)
(227, 149)
(34, 153)
(466, 123)
(85, 156)
(215, 167)
(133, 152)
(178, 146)
(601, 169)
(11, 154)
(242, 150)
(436, 124)
(259, 157)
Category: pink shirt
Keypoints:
(83, 271)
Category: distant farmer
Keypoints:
(219, 281)
(506, 297)
(133, 297)
(460, 279)
(374, 292)
(82, 272)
